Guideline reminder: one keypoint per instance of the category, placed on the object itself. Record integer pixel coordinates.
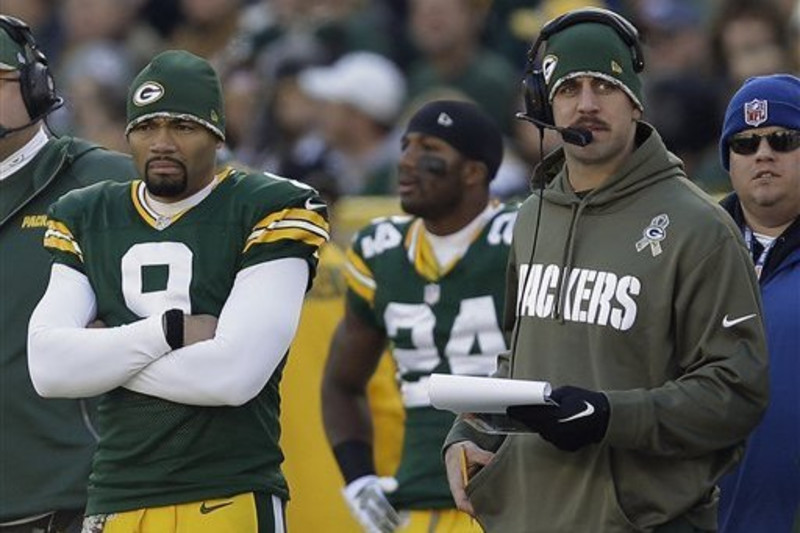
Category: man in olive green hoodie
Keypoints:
(46, 446)
(635, 299)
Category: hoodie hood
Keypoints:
(649, 163)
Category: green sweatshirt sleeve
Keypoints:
(722, 390)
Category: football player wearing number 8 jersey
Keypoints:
(196, 277)
(431, 285)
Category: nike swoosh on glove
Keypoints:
(579, 419)
(366, 499)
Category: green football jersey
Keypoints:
(154, 452)
(438, 320)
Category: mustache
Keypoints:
(164, 158)
(587, 123)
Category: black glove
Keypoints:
(579, 419)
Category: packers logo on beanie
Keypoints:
(590, 49)
(177, 84)
(760, 102)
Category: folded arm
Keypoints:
(67, 360)
(255, 328)
(254, 331)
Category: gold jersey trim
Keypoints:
(153, 219)
(59, 237)
(293, 223)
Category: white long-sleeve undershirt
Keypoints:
(254, 330)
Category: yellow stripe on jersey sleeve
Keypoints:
(59, 237)
(294, 213)
(296, 224)
(359, 277)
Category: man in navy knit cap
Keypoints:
(432, 285)
(760, 147)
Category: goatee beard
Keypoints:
(168, 187)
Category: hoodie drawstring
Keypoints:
(566, 262)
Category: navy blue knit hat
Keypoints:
(463, 126)
(761, 101)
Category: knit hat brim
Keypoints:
(600, 75)
(180, 116)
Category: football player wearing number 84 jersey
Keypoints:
(431, 285)
(196, 277)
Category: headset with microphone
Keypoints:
(36, 83)
(538, 110)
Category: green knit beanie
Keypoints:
(177, 84)
(590, 49)
(12, 55)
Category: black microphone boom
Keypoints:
(576, 136)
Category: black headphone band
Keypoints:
(537, 106)
(36, 82)
(626, 31)
(21, 34)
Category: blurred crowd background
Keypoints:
(319, 90)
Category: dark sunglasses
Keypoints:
(780, 141)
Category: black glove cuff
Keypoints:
(355, 459)
(172, 322)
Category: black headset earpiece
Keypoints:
(535, 94)
(36, 82)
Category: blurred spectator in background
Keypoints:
(244, 94)
(96, 77)
(680, 88)
(207, 27)
(42, 17)
(447, 34)
(114, 22)
(794, 28)
(161, 15)
(750, 38)
(280, 134)
(674, 35)
(684, 107)
(360, 97)
(335, 27)
(348, 25)
(101, 44)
